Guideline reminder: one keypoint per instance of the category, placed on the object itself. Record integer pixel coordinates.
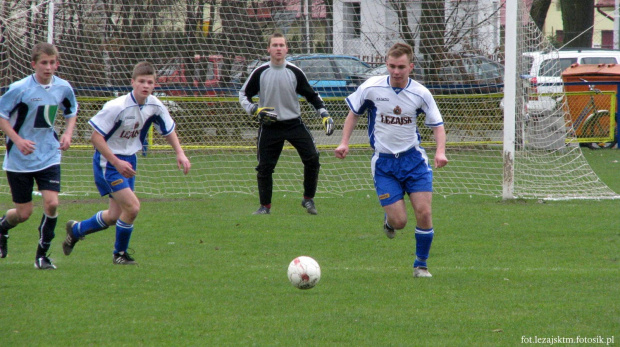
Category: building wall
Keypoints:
(553, 23)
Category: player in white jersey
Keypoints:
(399, 165)
(27, 116)
(119, 132)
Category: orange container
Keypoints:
(593, 74)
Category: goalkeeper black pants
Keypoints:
(270, 143)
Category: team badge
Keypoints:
(397, 110)
(117, 182)
(46, 114)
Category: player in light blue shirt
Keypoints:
(119, 130)
(27, 114)
(399, 165)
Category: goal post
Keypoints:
(510, 97)
(468, 53)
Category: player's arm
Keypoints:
(305, 89)
(123, 167)
(440, 153)
(265, 115)
(248, 91)
(349, 124)
(65, 139)
(24, 146)
(182, 161)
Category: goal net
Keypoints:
(205, 49)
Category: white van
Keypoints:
(545, 72)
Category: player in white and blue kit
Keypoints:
(399, 165)
(119, 132)
(33, 150)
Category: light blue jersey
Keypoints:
(31, 110)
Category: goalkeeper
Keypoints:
(277, 83)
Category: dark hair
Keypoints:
(43, 48)
(143, 68)
(399, 49)
(274, 35)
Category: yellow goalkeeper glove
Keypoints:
(328, 123)
(266, 115)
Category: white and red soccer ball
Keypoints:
(304, 272)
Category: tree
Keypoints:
(578, 21)
(432, 41)
(538, 12)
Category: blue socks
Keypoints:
(123, 234)
(89, 226)
(424, 239)
(96, 223)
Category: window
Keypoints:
(559, 36)
(527, 62)
(607, 39)
(554, 67)
(316, 69)
(598, 60)
(348, 67)
(352, 20)
(171, 68)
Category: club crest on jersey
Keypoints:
(45, 117)
(397, 110)
(131, 134)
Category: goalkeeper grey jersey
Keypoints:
(277, 86)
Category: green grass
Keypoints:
(212, 274)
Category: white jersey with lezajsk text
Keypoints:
(124, 123)
(31, 110)
(393, 112)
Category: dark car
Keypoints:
(329, 73)
(458, 74)
(380, 70)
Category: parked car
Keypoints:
(544, 73)
(357, 80)
(459, 74)
(329, 74)
(198, 76)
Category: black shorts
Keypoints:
(22, 183)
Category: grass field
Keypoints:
(212, 274)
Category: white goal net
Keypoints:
(204, 50)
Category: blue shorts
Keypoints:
(107, 179)
(397, 174)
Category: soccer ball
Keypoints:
(304, 272)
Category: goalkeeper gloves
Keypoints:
(328, 123)
(266, 115)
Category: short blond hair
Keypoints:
(399, 49)
(43, 48)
